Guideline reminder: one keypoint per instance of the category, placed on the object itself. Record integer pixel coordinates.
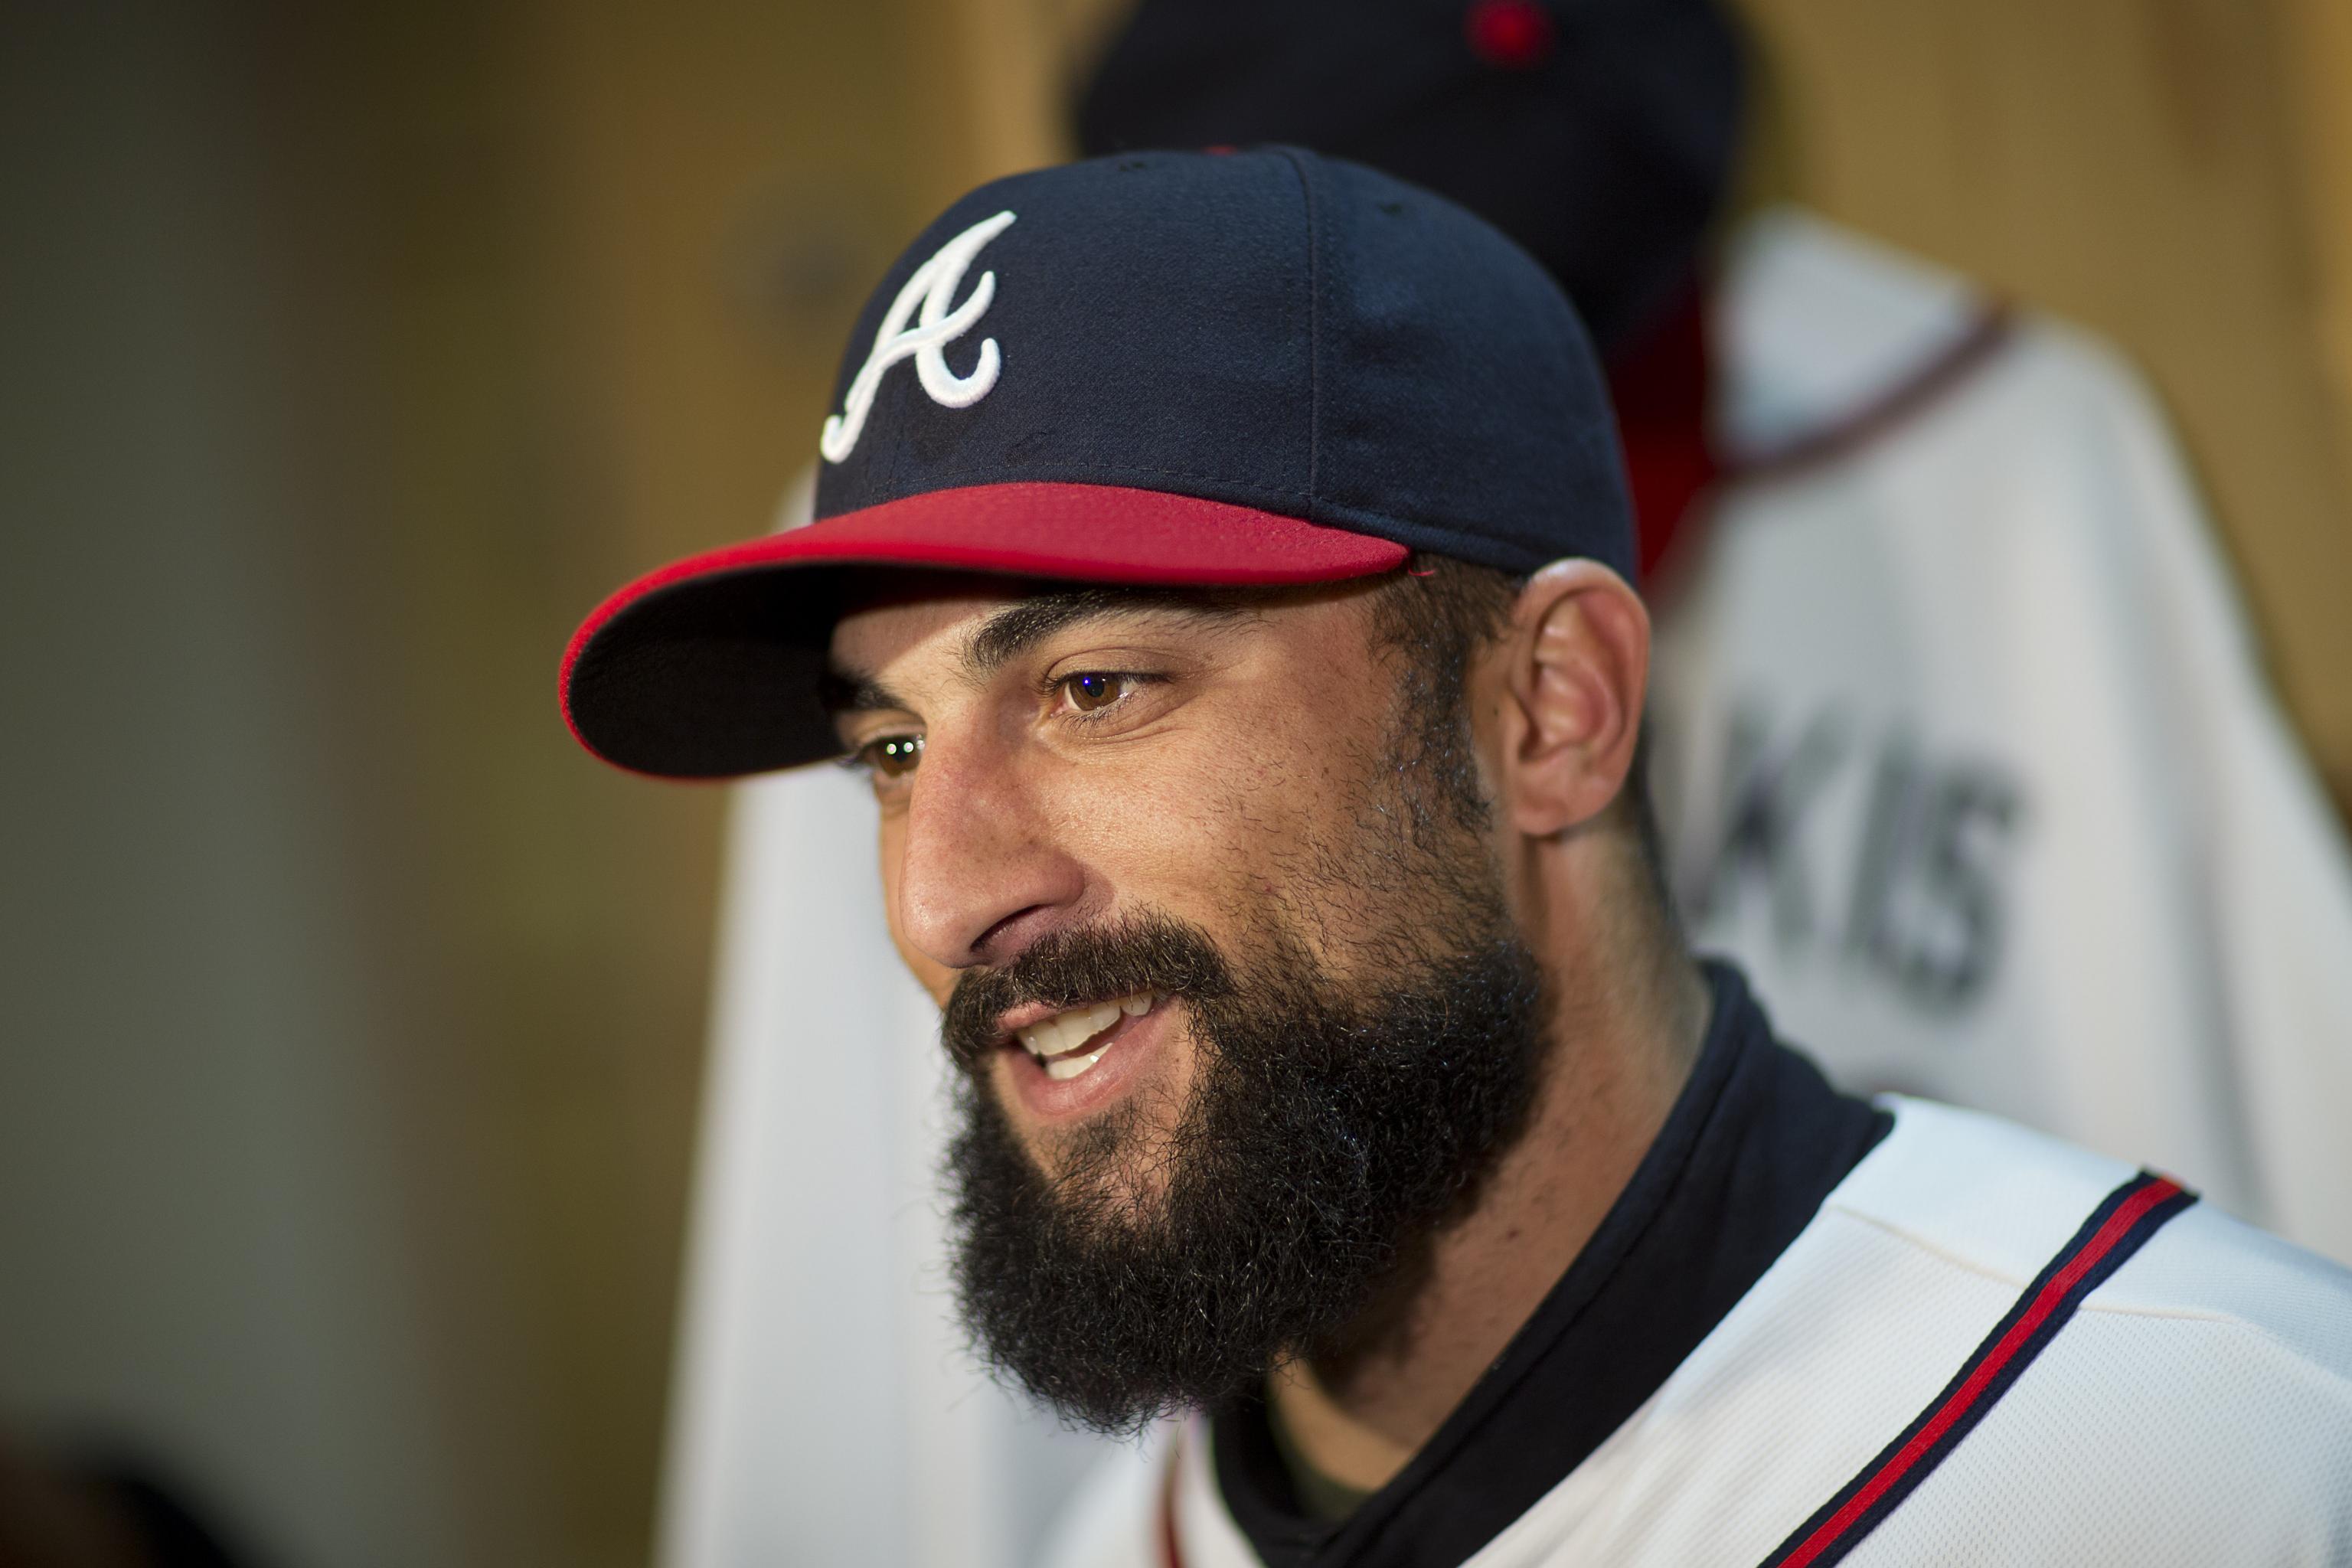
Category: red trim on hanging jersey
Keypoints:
(2116, 1229)
(1949, 366)
(1661, 385)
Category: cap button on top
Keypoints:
(1510, 35)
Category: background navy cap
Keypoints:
(1598, 134)
(1174, 368)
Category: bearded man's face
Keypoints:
(1223, 957)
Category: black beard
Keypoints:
(1327, 1134)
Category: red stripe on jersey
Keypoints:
(2126, 1219)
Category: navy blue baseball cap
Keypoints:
(1258, 368)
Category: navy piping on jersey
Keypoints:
(2117, 1229)
(1753, 1145)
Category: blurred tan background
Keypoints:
(352, 1033)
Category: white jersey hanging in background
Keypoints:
(1966, 754)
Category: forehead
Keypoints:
(879, 622)
(983, 622)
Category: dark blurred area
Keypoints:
(351, 1022)
(102, 1515)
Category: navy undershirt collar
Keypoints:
(1753, 1145)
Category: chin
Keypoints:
(1125, 1153)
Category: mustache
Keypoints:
(1142, 951)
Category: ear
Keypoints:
(1576, 666)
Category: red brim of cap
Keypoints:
(713, 666)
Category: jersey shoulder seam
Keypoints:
(1932, 1248)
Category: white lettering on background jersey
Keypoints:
(1967, 755)
(933, 284)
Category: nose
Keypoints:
(979, 875)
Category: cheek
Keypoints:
(1216, 819)
(1239, 823)
(1333, 846)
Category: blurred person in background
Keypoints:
(1266, 820)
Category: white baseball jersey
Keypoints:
(1967, 755)
(1986, 1347)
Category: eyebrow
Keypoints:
(846, 691)
(1018, 627)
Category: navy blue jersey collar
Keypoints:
(1753, 1145)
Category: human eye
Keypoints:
(886, 757)
(1093, 691)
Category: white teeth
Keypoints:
(1060, 1068)
(1053, 1039)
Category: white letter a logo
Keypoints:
(932, 286)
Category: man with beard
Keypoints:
(1220, 572)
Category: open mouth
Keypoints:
(1069, 1043)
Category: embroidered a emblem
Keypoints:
(934, 283)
